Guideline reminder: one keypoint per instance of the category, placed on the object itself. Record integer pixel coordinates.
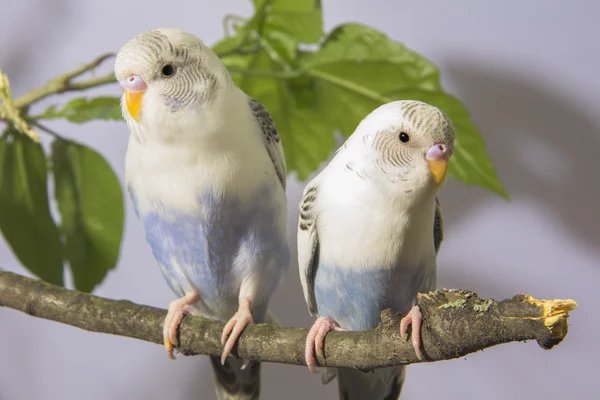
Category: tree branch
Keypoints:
(10, 113)
(456, 323)
(64, 83)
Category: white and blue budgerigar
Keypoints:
(369, 230)
(206, 173)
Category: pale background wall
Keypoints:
(527, 71)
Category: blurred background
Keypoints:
(527, 71)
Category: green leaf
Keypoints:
(312, 94)
(81, 110)
(230, 45)
(90, 202)
(284, 46)
(306, 135)
(25, 218)
(359, 68)
(302, 19)
(243, 41)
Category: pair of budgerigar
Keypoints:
(206, 173)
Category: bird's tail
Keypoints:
(379, 384)
(234, 383)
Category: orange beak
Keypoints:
(438, 169)
(133, 100)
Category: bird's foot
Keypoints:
(177, 308)
(314, 340)
(233, 329)
(415, 318)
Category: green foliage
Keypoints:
(25, 218)
(311, 92)
(302, 19)
(80, 110)
(90, 203)
(89, 200)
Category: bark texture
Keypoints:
(456, 323)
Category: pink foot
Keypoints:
(177, 308)
(233, 329)
(415, 318)
(314, 340)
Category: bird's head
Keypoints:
(405, 146)
(164, 72)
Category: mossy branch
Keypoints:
(10, 113)
(456, 323)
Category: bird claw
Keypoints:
(169, 348)
(314, 340)
(232, 331)
(177, 309)
(415, 318)
(245, 364)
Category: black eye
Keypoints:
(168, 70)
(404, 137)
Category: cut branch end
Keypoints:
(554, 313)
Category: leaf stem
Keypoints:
(88, 67)
(266, 74)
(274, 55)
(63, 83)
(257, 20)
(47, 130)
(349, 85)
(233, 19)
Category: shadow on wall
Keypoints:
(542, 146)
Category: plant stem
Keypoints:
(63, 83)
(46, 129)
(265, 74)
(10, 113)
(349, 85)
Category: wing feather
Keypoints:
(438, 226)
(308, 246)
(271, 138)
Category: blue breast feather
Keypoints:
(355, 297)
(201, 250)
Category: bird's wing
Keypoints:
(438, 226)
(271, 138)
(308, 245)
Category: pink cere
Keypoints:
(438, 151)
(133, 83)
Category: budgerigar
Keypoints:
(206, 173)
(369, 231)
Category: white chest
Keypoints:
(359, 228)
(175, 176)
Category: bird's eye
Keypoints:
(168, 70)
(404, 137)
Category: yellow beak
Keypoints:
(437, 169)
(133, 100)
